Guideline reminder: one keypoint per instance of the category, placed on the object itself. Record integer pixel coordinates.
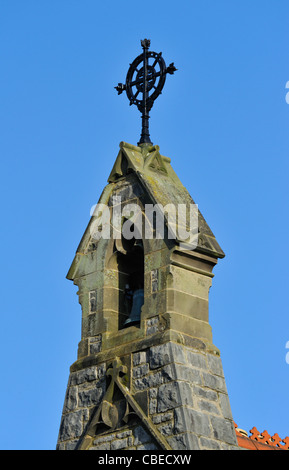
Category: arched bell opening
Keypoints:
(131, 283)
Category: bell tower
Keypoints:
(147, 375)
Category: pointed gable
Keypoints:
(162, 184)
(155, 173)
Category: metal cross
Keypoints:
(146, 79)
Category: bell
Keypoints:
(137, 303)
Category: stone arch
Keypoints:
(125, 265)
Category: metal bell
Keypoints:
(137, 303)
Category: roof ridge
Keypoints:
(259, 440)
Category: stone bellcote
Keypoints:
(160, 377)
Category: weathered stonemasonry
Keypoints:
(181, 389)
(158, 384)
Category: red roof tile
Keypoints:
(260, 441)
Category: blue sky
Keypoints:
(224, 122)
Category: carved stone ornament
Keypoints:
(116, 406)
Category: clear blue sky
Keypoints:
(224, 122)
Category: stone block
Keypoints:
(104, 446)
(85, 375)
(163, 277)
(111, 279)
(186, 441)
(83, 298)
(119, 444)
(165, 354)
(140, 370)
(205, 393)
(191, 282)
(70, 403)
(215, 365)
(160, 418)
(82, 349)
(198, 360)
(154, 280)
(122, 434)
(141, 436)
(175, 371)
(153, 260)
(71, 426)
(93, 301)
(92, 325)
(191, 305)
(89, 397)
(225, 405)
(190, 420)
(110, 298)
(153, 405)
(174, 394)
(154, 325)
(95, 344)
(223, 430)
(148, 381)
(208, 407)
(209, 444)
(189, 326)
(105, 438)
(71, 445)
(166, 429)
(139, 358)
(214, 382)
(154, 304)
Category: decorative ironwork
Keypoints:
(147, 80)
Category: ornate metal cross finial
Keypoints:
(147, 79)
